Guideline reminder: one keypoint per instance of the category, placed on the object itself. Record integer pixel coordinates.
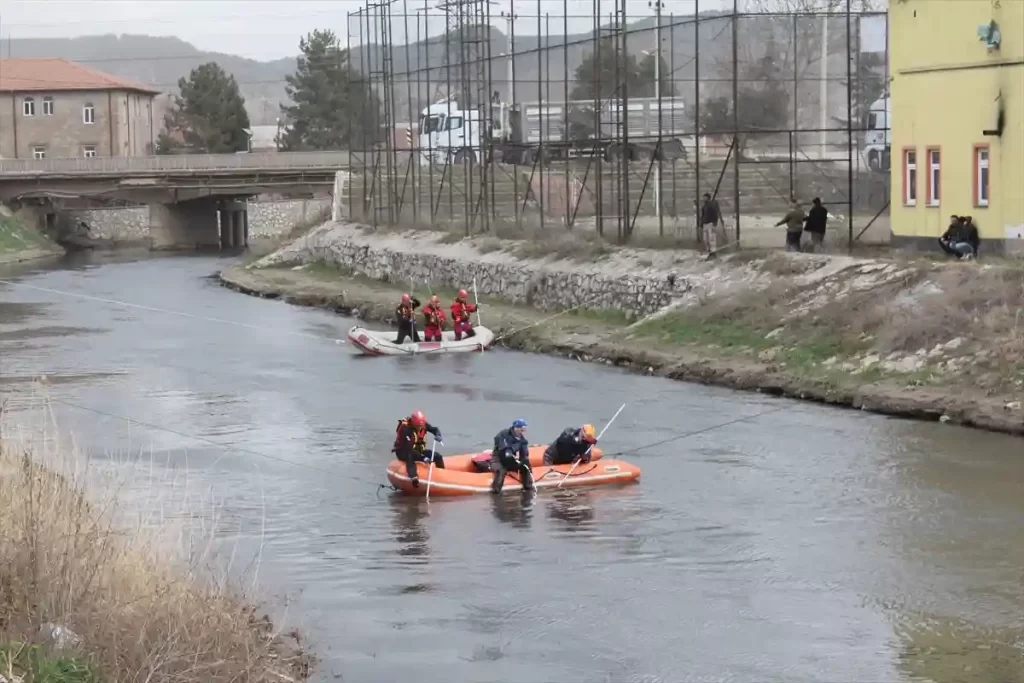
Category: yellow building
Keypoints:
(957, 138)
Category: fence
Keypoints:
(620, 120)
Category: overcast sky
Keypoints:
(270, 29)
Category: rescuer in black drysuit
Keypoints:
(511, 454)
(411, 444)
(405, 314)
(571, 445)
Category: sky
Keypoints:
(270, 29)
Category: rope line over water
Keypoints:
(166, 311)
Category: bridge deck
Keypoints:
(177, 164)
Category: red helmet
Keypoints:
(462, 294)
(434, 300)
(406, 298)
(418, 419)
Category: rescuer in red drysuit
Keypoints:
(433, 316)
(405, 314)
(461, 309)
(411, 444)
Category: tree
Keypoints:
(332, 107)
(646, 79)
(602, 73)
(208, 114)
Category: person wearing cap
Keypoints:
(511, 454)
(571, 445)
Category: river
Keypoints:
(805, 544)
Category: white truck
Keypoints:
(876, 138)
(525, 132)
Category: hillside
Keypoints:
(539, 73)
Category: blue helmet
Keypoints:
(519, 423)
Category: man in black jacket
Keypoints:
(511, 454)
(571, 445)
(815, 223)
(961, 238)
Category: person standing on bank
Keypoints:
(511, 454)
(794, 222)
(815, 223)
(710, 217)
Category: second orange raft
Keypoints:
(461, 476)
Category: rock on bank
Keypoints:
(925, 339)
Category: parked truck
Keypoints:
(876, 138)
(529, 131)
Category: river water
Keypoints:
(805, 544)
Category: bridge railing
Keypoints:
(176, 162)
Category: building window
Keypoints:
(47, 106)
(88, 113)
(28, 107)
(89, 151)
(39, 152)
(910, 177)
(934, 176)
(981, 175)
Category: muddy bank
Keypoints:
(699, 350)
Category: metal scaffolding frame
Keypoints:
(754, 108)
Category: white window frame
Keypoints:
(934, 176)
(28, 107)
(89, 151)
(48, 106)
(38, 152)
(910, 177)
(88, 114)
(983, 182)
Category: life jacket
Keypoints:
(419, 437)
(433, 315)
(461, 311)
(405, 313)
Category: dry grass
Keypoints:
(142, 607)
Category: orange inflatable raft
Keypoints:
(462, 476)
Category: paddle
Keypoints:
(476, 300)
(430, 473)
(580, 459)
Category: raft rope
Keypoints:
(695, 432)
(548, 319)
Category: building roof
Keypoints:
(35, 75)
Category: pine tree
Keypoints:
(208, 115)
(332, 106)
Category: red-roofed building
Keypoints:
(53, 108)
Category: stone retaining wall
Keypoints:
(266, 219)
(417, 258)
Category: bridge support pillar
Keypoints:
(184, 225)
(234, 225)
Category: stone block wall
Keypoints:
(121, 225)
(275, 218)
(546, 285)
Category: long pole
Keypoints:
(849, 122)
(823, 87)
(657, 95)
(735, 113)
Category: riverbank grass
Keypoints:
(14, 237)
(31, 663)
(135, 606)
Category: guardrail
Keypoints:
(176, 162)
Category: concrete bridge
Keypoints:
(195, 200)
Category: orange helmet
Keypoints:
(418, 419)
(588, 434)
(434, 300)
(406, 298)
(462, 294)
